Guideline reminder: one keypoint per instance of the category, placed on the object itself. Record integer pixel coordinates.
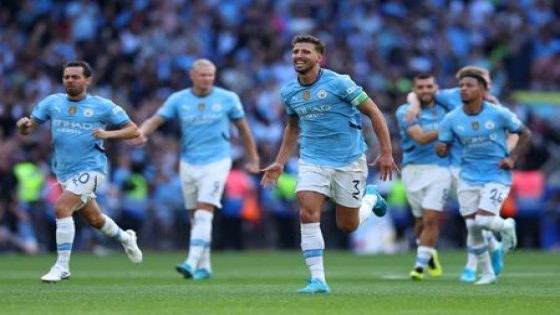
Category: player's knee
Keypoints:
(95, 220)
(62, 210)
(307, 216)
(347, 227)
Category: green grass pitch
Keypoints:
(265, 283)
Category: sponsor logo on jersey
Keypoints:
(72, 110)
(216, 107)
(475, 125)
(322, 94)
(489, 125)
(306, 95)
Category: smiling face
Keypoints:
(425, 89)
(305, 57)
(75, 82)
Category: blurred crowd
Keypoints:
(141, 51)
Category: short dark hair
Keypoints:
(319, 45)
(475, 75)
(422, 76)
(88, 72)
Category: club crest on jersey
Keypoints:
(322, 94)
(72, 110)
(475, 125)
(489, 125)
(201, 106)
(306, 95)
(88, 112)
(216, 107)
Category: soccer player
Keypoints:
(323, 110)
(451, 99)
(204, 112)
(78, 128)
(426, 176)
(481, 129)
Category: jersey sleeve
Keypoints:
(41, 112)
(511, 122)
(236, 111)
(117, 116)
(289, 110)
(449, 99)
(401, 121)
(445, 133)
(349, 91)
(169, 108)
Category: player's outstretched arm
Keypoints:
(385, 160)
(128, 131)
(146, 129)
(289, 142)
(421, 136)
(26, 125)
(249, 143)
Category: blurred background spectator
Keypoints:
(141, 50)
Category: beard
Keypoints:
(303, 70)
(74, 91)
(425, 100)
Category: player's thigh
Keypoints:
(212, 181)
(415, 202)
(66, 204)
(348, 184)
(469, 198)
(311, 205)
(188, 174)
(493, 196)
(314, 178)
(413, 184)
(436, 193)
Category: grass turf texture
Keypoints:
(265, 283)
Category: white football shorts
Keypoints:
(427, 187)
(84, 184)
(345, 185)
(489, 197)
(203, 183)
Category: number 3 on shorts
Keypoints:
(356, 193)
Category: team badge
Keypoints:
(216, 107)
(72, 110)
(201, 106)
(475, 125)
(489, 125)
(322, 94)
(88, 112)
(306, 95)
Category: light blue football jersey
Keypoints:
(451, 99)
(483, 139)
(330, 124)
(413, 152)
(72, 123)
(205, 122)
